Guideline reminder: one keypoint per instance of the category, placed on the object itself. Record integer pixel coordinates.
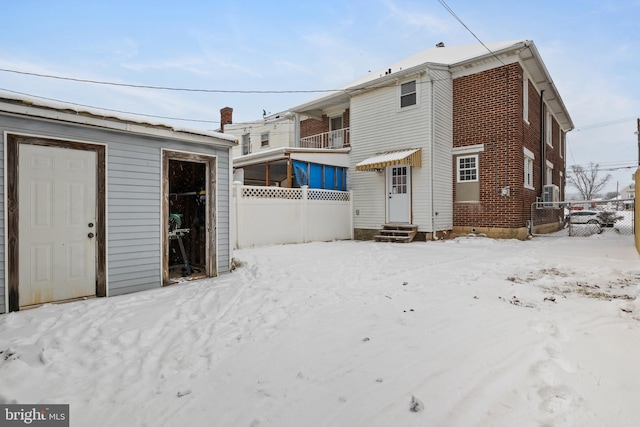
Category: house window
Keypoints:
(408, 94)
(468, 168)
(549, 175)
(561, 142)
(549, 129)
(528, 169)
(246, 144)
(264, 139)
(525, 99)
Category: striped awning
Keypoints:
(409, 157)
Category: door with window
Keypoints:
(399, 194)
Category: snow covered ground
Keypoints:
(478, 332)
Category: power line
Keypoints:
(111, 110)
(446, 6)
(602, 124)
(100, 82)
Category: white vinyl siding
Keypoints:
(280, 134)
(378, 126)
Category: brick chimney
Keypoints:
(226, 117)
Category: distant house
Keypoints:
(269, 154)
(451, 140)
(628, 192)
(97, 204)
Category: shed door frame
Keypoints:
(13, 206)
(211, 255)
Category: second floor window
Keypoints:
(246, 144)
(264, 139)
(408, 94)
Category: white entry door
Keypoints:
(57, 215)
(399, 193)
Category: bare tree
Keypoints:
(586, 180)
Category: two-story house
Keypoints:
(269, 154)
(451, 140)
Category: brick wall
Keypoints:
(309, 127)
(226, 117)
(487, 109)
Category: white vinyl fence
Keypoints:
(277, 215)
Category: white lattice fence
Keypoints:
(276, 215)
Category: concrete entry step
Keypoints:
(396, 232)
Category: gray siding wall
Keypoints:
(134, 209)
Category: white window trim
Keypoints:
(560, 142)
(458, 168)
(525, 98)
(548, 129)
(408, 107)
(529, 158)
(262, 134)
(468, 149)
(549, 172)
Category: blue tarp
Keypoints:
(320, 176)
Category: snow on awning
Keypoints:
(410, 157)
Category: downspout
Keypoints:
(543, 154)
(431, 151)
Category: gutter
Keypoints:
(543, 148)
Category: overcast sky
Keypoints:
(590, 47)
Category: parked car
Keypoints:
(601, 218)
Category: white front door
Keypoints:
(399, 193)
(57, 215)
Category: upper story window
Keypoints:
(246, 144)
(264, 139)
(525, 98)
(468, 168)
(408, 94)
(548, 125)
(561, 142)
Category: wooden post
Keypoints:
(268, 178)
(289, 175)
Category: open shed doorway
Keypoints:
(189, 214)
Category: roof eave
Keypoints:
(68, 113)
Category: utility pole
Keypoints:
(638, 133)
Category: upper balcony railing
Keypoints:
(334, 139)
